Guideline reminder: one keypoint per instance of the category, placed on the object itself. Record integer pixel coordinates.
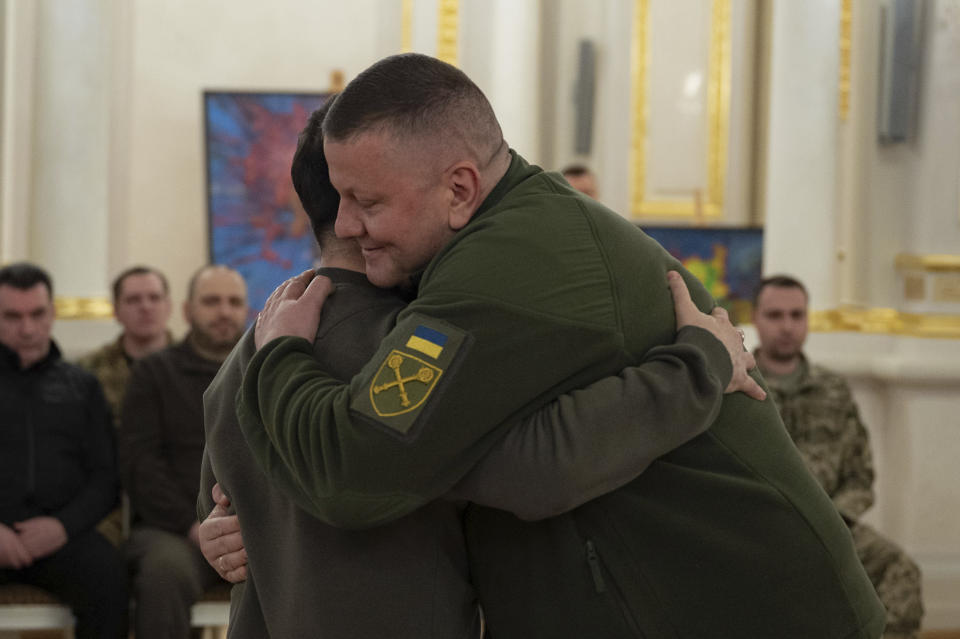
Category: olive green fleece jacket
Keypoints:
(545, 291)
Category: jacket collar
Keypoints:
(10, 360)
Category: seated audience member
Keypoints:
(161, 444)
(822, 419)
(57, 464)
(581, 178)
(141, 303)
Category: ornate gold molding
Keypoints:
(448, 30)
(406, 26)
(885, 321)
(931, 262)
(718, 113)
(846, 52)
(83, 308)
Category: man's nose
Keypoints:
(348, 223)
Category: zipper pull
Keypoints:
(593, 560)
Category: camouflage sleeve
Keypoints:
(854, 493)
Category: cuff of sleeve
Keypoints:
(716, 353)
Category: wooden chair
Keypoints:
(25, 607)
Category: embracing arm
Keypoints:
(434, 398)
(594, 440)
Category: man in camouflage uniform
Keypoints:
(141, 303)
(822, 419)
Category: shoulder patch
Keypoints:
(402, 384)
(411, 364)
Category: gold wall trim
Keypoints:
(930, 262)
(406, 26)
(886, 321)
(448, 30)
(846, 51)
(83, 308)
(718, 114)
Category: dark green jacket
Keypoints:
(543, 292)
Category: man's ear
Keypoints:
(186, 312)
(463, 180)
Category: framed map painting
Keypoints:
(256, 222)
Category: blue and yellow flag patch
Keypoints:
(428, 341)
(410, 364)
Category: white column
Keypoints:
(16, 140)
(68, 226)
(499, 50)
(800, 229)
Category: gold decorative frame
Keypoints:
(718, 109)
(406, 26)
(448, 31)
(930, 263)
(886, 321)
(83, 308)
(846, 51)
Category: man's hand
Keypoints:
(293, 309)
(12, 553)
(41, 536)
(718, 323)
(221, 541)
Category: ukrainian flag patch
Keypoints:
(428, 341)
(406, 377)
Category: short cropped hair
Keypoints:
(311, 176)
(780, 281)
(415, 96)
(192, 283)
(139, 269)
(24, 276)
(575, 170)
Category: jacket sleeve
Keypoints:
(854, 493)
(145, 472)
(207, 480)
(100, 490)
(446, 382)
(591, 441)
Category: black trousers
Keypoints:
(88, 575)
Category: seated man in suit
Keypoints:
(57, 465)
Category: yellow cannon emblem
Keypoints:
(402, 384)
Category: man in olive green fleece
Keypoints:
(526, 290)
(615, 428)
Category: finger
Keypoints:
(720, 313)
(236, 576)
(318, 290)
(219, 496)
(753, 389)
(24, 556)
(214, 528)
(223, 545)
(682, 303)
(233, 560)
(749, 360)
(295, 286)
